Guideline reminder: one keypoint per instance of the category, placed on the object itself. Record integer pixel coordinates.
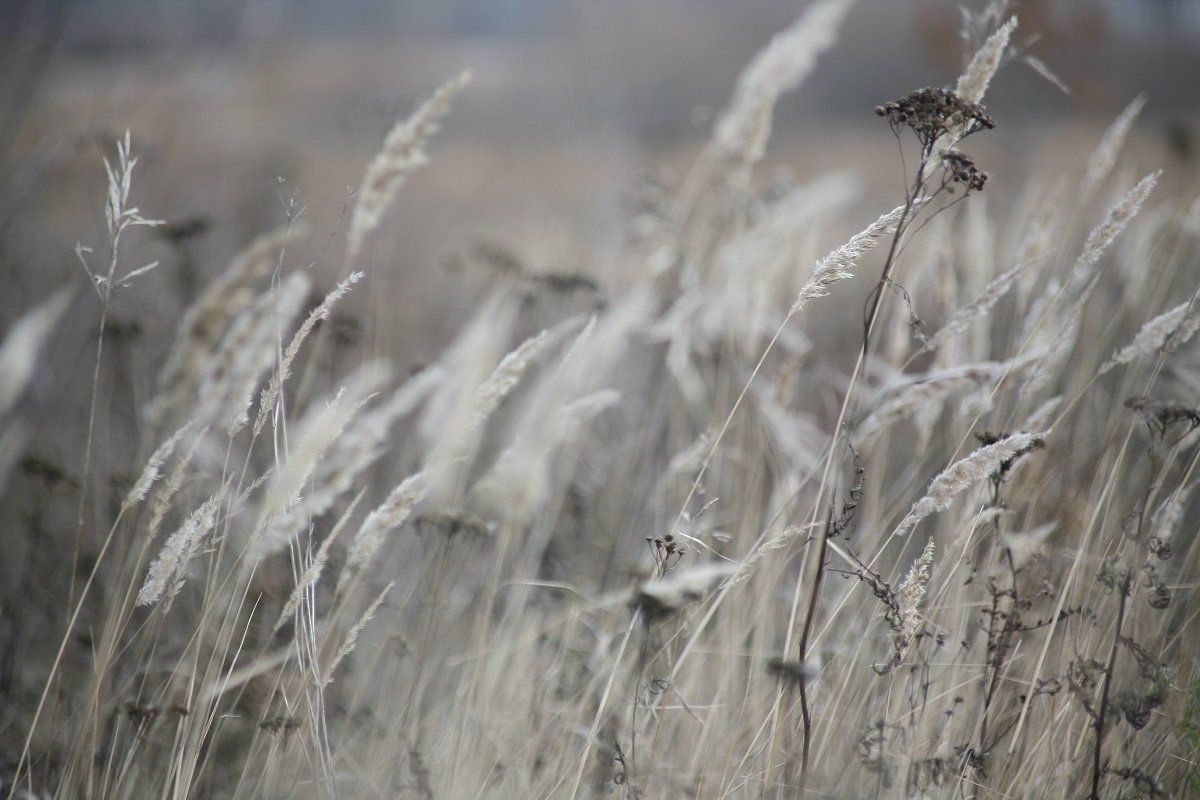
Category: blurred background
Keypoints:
(580, 112)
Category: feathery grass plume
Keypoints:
(312, 573)
(403, 152)
(225, 682)
(747, 566)
(352, 635)
(974, 82)
(228, 382)
(1102, 159)
(206, 320)
(1039, 238)
(153, 468)
(1114, 223)
(909, 594)
(280, 376)
(353, 449)
(755, 267)
(1057, 342)
(391, 514)
(521, 473)
(780, 67)
(1054, 344)
(512, 367)
(447, 428)
(1154, 335)
(1187, 326)
(170, 567)
(686, 463)
(962, 317)
(313, 436)
(677, 329)
(966, 472)
(574, 418)
(171, 486)
(914, 393)
(22, 344)
(793, 433)
(834, 267)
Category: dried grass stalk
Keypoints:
(313, 437)
(352, 635)
(312, 573)
(355, 446)
(279, 377)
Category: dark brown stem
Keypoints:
(876, 296)
(1123, 588)
(814, 598)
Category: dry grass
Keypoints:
(694, 541)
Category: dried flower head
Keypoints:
(666, 551)
(930, 113)
(960, 168)
(1161, 418)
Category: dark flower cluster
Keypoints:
(933, 112)
(960, 168)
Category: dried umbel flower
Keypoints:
(930, 113)
(1161, 418)
(666, 551)
(961, 169)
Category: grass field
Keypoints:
(868, 478)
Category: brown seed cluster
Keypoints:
(667, 551)
(960, 168)
(933, 112)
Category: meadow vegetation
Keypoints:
(663, 532)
